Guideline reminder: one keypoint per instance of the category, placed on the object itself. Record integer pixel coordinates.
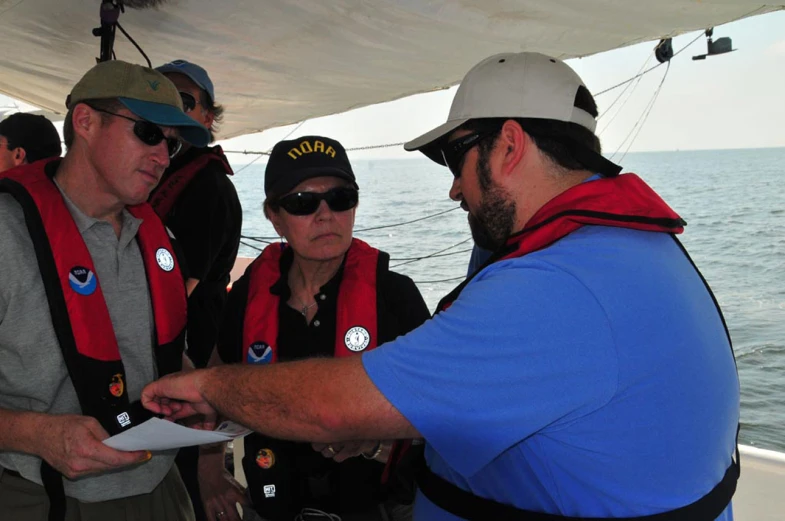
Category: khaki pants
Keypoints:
(23, 500)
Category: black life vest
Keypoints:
(625, 202)
(168, 191)
(79, 313)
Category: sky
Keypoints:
(735, 100)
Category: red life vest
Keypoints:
(356, 322)
(166, 193)
(79, 313)
(624, 201)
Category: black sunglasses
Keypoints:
(454, 150)
(150, 133)
(189, 102)
(338, 199)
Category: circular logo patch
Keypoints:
(164, 259)
(117, 386)
(265, 458)
(357, 339)
(82, 280)
(259, 353)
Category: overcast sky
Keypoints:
(736, 100)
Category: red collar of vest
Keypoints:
(79, 313)
(166, 193)
(624, 201)
(356, 322)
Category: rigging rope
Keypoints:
(300, 124)
(648, 70)
(407, 222)
(634, 86)
(636, 129)
(432, 254)
(270, 239)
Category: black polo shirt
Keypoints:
(206, 219)
(400, 307)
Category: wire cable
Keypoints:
(407, 222)
(257, 158)
(626, 88)
(438, 281)
(432, 254)
(636, 129)
(149, 64)
(648, 70)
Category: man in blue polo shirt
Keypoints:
(585, 372)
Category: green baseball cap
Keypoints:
(145, 92)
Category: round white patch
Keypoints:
(164, 259)
(357, 339)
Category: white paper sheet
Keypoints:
(157, 434)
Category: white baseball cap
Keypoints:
(511, 85)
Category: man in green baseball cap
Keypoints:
(92, 306)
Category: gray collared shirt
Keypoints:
(33, 375)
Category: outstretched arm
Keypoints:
(318, 400)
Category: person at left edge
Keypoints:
(25, 138)
(198, 202)
(92, 306)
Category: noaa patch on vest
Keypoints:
(259, 353)
(265, 458)
(164, 259)
(82, 280)
(117, 387)
(357, 339)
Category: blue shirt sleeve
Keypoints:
(525, 348)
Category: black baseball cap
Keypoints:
(292, 162)
(34, 133)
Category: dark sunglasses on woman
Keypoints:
(338, 199)
(149, 133)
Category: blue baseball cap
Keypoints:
(197, 74)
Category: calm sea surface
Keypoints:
(732, 200)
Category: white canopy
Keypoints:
(276, 62)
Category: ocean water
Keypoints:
(732, 200)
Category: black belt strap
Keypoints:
(461, 503)
(53, 485)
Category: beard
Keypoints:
(494, 221)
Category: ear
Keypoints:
(86, 121)
(20, 156)
(275, 218)
(209, 117)
(513, 143)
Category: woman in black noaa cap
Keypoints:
(320, 293)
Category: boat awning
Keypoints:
(276, 62)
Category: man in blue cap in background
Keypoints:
(198, 202)
(92, 306)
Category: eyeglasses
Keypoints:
(338, 199)
(149, 133)
(189, 101)
(454, 150)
